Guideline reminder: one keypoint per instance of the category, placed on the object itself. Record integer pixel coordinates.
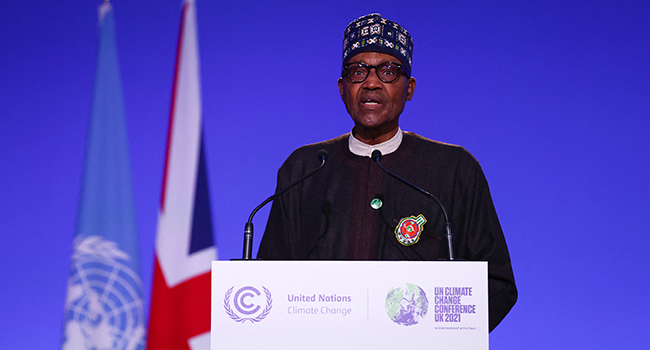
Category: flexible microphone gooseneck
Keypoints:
(248, 229)
(376, 156)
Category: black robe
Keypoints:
(329, 217)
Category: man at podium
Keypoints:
(353, 209)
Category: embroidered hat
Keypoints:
(375, 33)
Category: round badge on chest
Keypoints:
(409, 229)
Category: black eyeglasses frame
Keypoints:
(368, 67)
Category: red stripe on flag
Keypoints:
(179, 313)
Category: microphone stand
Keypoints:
(376, 156)
(248, 228)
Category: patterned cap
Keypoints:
(375, 33)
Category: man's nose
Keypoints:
(372, 81)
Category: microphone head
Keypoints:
(376, 155)
(322, 155)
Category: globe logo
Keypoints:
(406, 305)
(104, 305)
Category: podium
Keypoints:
(349, 305)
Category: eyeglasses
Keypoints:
(387, 72)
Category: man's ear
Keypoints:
(410, 89)
(340, 83)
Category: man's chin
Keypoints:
(370, 120)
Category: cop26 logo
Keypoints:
(248, 304)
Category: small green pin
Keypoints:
(376, 203)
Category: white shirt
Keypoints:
(361, 149)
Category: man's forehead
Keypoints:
(373, 57)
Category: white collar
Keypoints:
(364, 150)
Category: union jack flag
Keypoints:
(180, 301)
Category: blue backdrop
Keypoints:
(552, 97)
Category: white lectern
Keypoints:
(349, 305)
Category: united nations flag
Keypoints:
(104, 307)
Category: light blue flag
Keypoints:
(104, 308)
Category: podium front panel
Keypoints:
(349, 305)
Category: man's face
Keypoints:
(375, 106)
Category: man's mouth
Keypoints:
(370, 102)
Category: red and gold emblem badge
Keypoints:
(409, 229)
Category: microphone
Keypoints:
(248, 228)
(376, 157)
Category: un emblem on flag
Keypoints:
(104, 305)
